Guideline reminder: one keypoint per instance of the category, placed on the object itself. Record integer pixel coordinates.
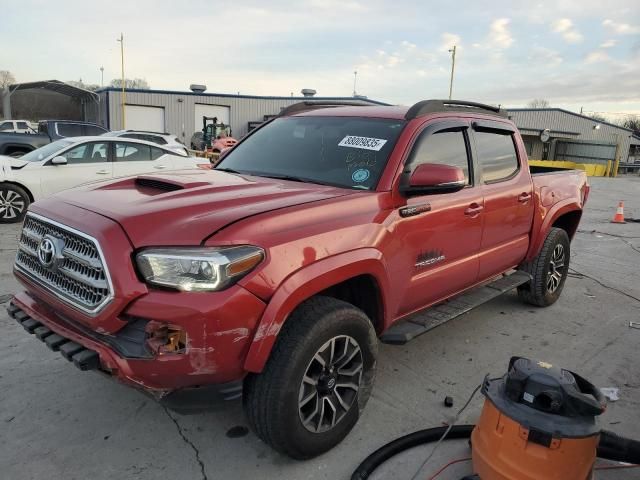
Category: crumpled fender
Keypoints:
(305, 283)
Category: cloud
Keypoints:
(544, 56)
(609, 44)
(499, 34)
(448, 40)
(408, 45)
(621, 28)
(565, 27)
(597, 56)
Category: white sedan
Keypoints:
(73, 161)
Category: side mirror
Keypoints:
(434, 178)
(58, 161)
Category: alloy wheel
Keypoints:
(11, 204)
(330, 384)
(556, 268)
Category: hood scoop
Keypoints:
(165, 184)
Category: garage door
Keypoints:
(150, 119)
(219, 111)
(585, 152)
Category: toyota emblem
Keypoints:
(46, 252)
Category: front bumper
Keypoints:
(212, 363)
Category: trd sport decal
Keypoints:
(426, 259)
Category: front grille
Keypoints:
(78, 277)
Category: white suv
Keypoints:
(16, 126)
(70, 162)
(167, 140)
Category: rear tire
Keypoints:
(14, 201)
(323, 361)
(548, 270)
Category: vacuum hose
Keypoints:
(611, 447)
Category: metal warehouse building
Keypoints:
(557, 134)
(180, 113)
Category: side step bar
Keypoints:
(421, 322)
(83, 358)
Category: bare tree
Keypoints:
(6, 79)
(597, 117)
(539, 103)
(139, 83)
(632, 122)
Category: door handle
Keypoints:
(524, 197)
(160, 167)
(102, 172)
(473, 210)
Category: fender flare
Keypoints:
(543, 224)
(305, 283)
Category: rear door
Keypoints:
(440, 232)
(507, 192)
(87, 162)
(136, 158)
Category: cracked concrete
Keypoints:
(58, 422)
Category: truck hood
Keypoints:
(186, 207)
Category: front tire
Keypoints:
(317, 380)
(14, 201)
(548, 270)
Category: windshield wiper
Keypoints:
(228, 170)
(291, 178)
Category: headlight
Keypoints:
(197, 269)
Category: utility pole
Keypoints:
(453, 67)
(102, 76)
(121, 40)
(355, 78)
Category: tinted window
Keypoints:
(6, 126)
(156, 153)
(157, 139)
(496, 154)
(137, 136)
(344, 151)
(93, 130)
(87, 153)
(132, 152)
(446, 147)
(23, 125)
(69, 129)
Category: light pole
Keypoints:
(102, 76)
(121, 40)
(453, 66)
(355, 78)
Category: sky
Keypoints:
(574, 53)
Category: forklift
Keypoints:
(214, 137)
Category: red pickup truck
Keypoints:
(272, 276)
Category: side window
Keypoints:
(132, 152)
(157, 139)
(447, 147)
(496, 155)
(86, 153)
(69, 129)
(93, 130)
(156, 153)
(4, 126)
(23, 125)
(137, 136)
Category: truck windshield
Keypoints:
(346, 152)
(41, 153)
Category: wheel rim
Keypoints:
(11, 204)
(330, 384)
(556, 268)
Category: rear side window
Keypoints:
(156, 139)
(69, 129)
(446, 147)
(156, 153)
(23, 125)
(132, 152)
(497, 155)
(93, 130)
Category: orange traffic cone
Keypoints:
(619, 216)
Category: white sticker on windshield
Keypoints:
(367, 143)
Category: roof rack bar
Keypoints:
(315, 104)
(432, 106)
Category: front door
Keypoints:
(88, 162)
(507, 192)
(440, 233)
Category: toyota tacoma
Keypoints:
(272, 277)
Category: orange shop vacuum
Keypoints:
(539, 422)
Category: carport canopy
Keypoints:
(84, 96)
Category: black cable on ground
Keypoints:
(401, 444)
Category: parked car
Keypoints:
(70, 162)
(272, 276)
(17, 144)
(168, 140)
(16, 126)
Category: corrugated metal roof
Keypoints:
(59, 87)
(569, 113)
